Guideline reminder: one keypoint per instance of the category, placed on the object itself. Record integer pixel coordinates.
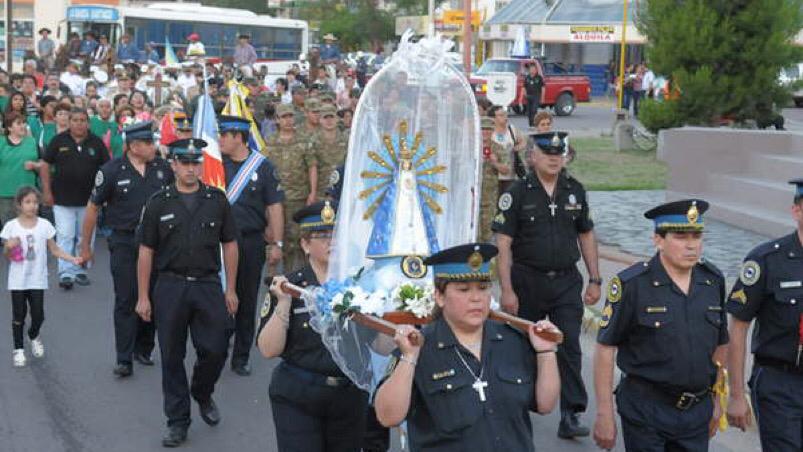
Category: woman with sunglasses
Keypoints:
(315, 406)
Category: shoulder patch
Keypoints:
(605, 319)
(99, 178)
(750, 273)
(334, 178)
(505, 201)
(614, 290)
(265, 308)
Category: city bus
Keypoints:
(219, 28)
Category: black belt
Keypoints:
(314, 377)
(779, 365)
(209, 277)
(680, 399)
(553, 273)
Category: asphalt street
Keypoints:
(69, 401)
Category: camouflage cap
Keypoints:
(312, 104)
(487, 123)
(284, 109)
(327, 110)
(326, 96)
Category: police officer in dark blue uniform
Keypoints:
(473, 382)
(256, 197)
(315, 406)
(543, 227)
(122, 186)
(665, 323)
(770, 290)
(181, 232)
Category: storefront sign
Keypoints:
(591, 33)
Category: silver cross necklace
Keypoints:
(479, 385)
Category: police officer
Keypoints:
(181, 231)
(474, 381)
(329, 146)
(315, 406)
(122, 187)
(183, 124)
(665, 322)
(770, 290)
(495, 161)
(298, 172)
(256, 199)
(533, 85)
(542, 219)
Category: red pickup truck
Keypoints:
(562, 90)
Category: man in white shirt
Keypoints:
(648, 81)
(73, 79)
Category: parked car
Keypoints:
(562, 88)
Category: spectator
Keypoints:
(245, 56)
(53, 86)
(30, 68)
(186, 80)
(512, 141)
(330, 52)
(88, 46)
(342, 100)
(638, 88)
(151, 55)
(74, 46)
(16, 103)
(76, 156)
(100, 56)
(18, 162)
(139, 102)
(283, 91)
(126, 50)
(46, 48)
(31, 97)
(124, 87)
(73, 80)
(16, 81)
(45, 116)
(60, 124)
(268, 127)
(648, 82)
(346, 115)
(103, 125)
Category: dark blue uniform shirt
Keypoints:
(544, 229)
(663, 335)
(187, 242)
(446, 413)
(262, 190)
(122, 191)
(770, 288)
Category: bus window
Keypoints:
(287, 45)
(177, 32)
(263, 39)
(210, 36)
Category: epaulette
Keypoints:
(295, 277)
(634, 270)
(708, 265)
(767, 248)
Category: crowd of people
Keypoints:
(83, 153)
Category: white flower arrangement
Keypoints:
(407, 297)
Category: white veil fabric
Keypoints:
(411, 187)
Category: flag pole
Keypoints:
(622, 49)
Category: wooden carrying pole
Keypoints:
(389, 328)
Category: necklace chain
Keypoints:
(463, 360)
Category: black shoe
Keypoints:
(82, 280)
(209, 412)
(242, 370)
(143, 358)
(175, 436)
(65, 283)
(570, 426)
(123, 370)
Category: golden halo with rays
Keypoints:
(402, 157)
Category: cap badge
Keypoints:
(475, 261)
(328, 214)
(555, 141)
(693, 214)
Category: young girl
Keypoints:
(26, 239)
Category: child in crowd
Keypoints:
(26, 240)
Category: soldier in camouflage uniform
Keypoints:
(329, 146)
(312, 124)
(495, 161)
(299, 99)
(298, 174)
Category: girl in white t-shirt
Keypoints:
(27, 239)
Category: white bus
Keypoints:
(219, 28)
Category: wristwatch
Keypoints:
(597, 281)
(278, 243)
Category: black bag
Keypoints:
(518, 165)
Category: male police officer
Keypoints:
(666, 317)
(256, 203)
(770, 290)
(541, 220)
(181, 232)
(122, 187)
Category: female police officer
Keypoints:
(315, 407)
(471, 385)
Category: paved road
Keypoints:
(70, 402)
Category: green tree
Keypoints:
(357, 24)
(723, 56)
